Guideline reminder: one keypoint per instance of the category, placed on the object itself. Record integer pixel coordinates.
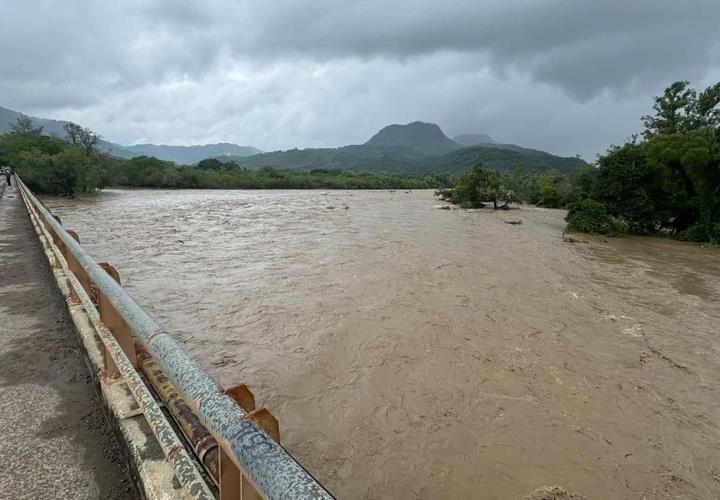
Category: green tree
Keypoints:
(683, 136)
(549, 194)
(82, 137)
(590, 216)
(634, 189)
(25, 126)
(479, 185)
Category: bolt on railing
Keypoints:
(252, 463)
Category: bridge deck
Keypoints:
(54, 442)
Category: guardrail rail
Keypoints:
(237, 444)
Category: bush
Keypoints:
(549, 195)
(590, 216)
(479, 185)
(702, 233)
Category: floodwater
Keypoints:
(410, 352)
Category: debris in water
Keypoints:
(570, 239)
(330, 207)
(553, 493)
(513, 222)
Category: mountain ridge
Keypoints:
(416, 147)
(179, 154)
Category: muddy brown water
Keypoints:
(410, 352)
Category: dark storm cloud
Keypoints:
(582, 46)
(568, 76)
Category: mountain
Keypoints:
(186, 155)
(425, 138)
(473, 139)
(8, 118)
(413, 148)
(417, 147)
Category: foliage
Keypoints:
(82, 136)
(500, 157)
(668, 182)
(590, 216)
(48, 164)
(709, 233)
(24, 126)
(51, 165)
(479, 185)
(634, 189)
(146, 171)
(549, 194)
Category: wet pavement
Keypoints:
(54, 439)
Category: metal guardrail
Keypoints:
(248, 455)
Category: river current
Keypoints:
(416, 353)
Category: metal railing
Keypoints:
(251, 462)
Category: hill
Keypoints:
(413, 148)
(473, 139)
(357, 158)
(178, 154)
(502, 157)
(425, 138)
(395, 159)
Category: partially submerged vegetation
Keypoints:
(478, 186)
(667, 183)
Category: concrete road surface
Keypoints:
(54, 441)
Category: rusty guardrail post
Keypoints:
(114, 322)
(230, 475)
(233, 484)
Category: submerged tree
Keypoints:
(480, 185)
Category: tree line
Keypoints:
(75, 165)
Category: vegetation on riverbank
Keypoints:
(667, 182)
(68, 167)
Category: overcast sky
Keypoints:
(564, 76)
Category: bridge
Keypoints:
(180, 433)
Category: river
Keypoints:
(416, 353)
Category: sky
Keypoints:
(568, 77)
